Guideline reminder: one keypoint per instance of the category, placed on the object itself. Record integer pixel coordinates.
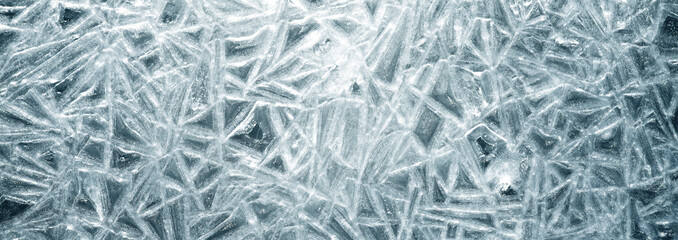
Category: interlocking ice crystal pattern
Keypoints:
(367, 119)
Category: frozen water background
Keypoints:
(412, 119)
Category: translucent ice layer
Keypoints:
(317, 119)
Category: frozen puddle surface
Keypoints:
(368, 119)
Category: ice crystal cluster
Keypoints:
(315, 119)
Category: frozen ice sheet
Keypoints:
(316, 119)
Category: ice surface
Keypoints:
(366, 119)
